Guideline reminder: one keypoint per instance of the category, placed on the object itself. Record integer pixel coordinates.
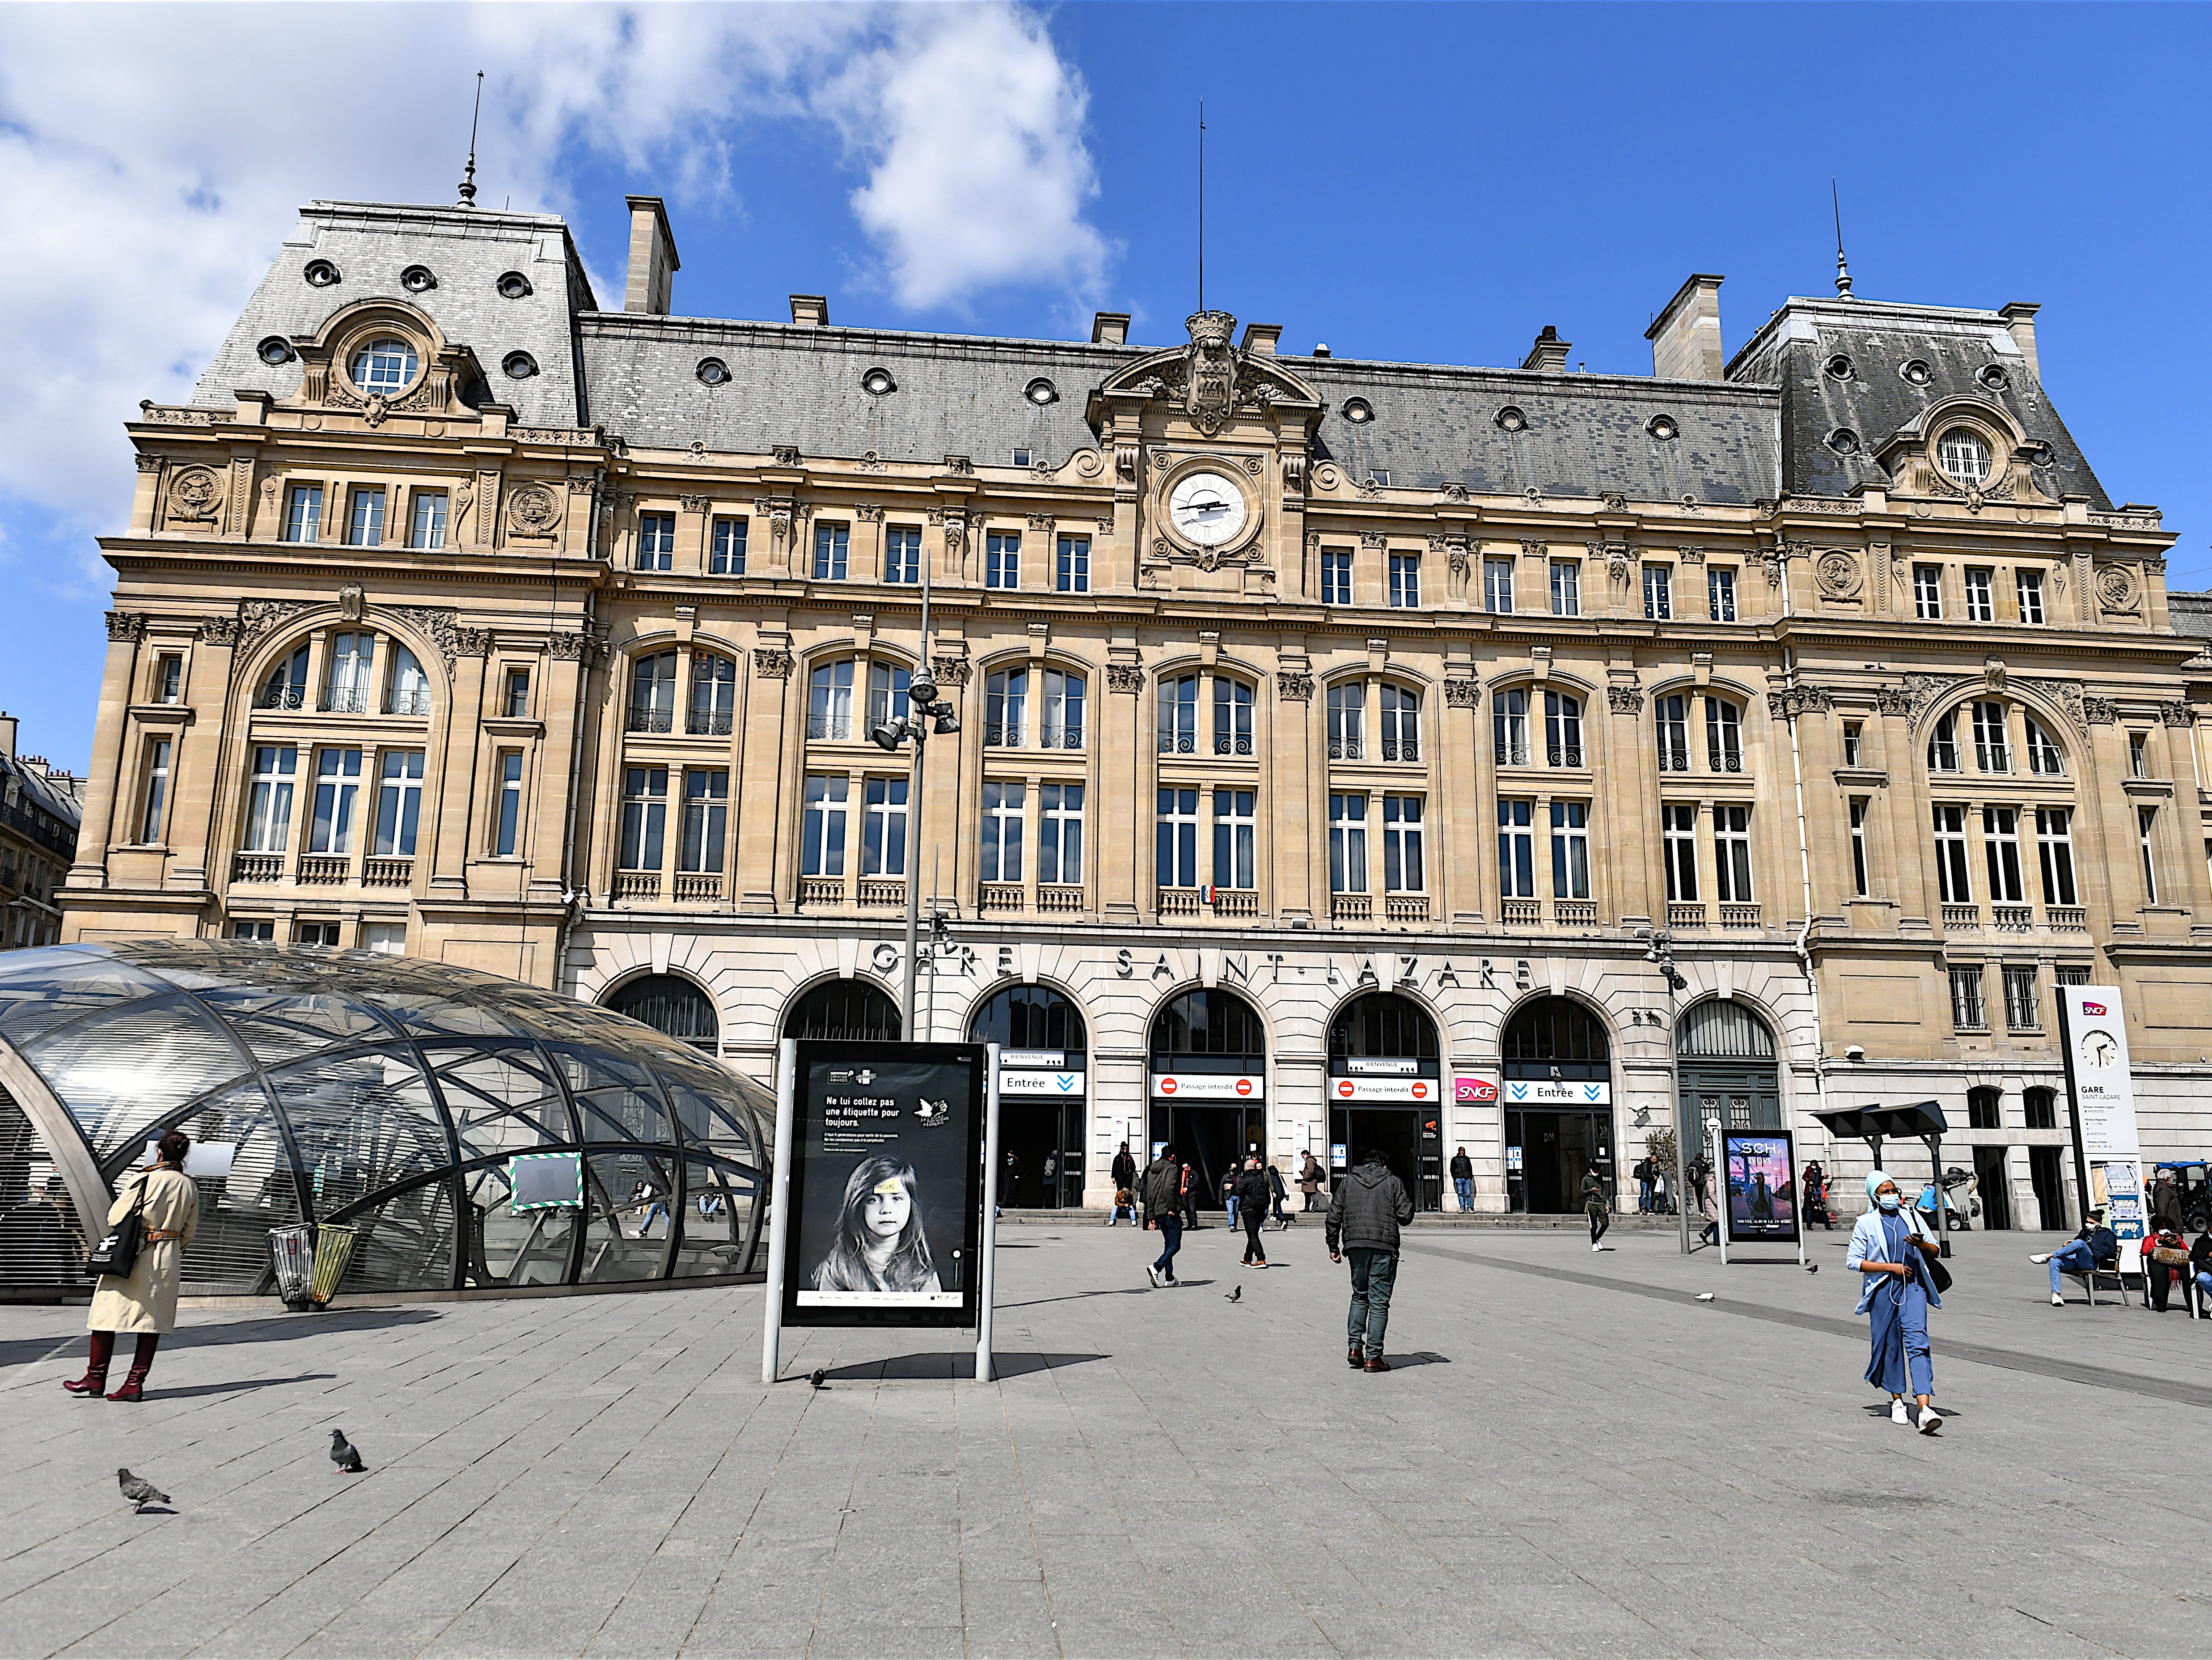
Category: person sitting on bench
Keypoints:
(2094, 1247)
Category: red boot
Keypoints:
(94, 1381)
(141, 1362)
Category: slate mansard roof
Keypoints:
(1764, 431)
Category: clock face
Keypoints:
(1207, 508)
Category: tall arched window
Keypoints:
(1031, 1018)
(887, 686)
(1383, 1024)
(1556, 1033)
(1563, 729)
(1723, 735)
(1006, 709)
(713, 695)
(2044, 757)
(830, 701)
(1943, 743)
(671, 1004)
(1232, 716)
(1059, 713)
(408, 692)
(1400, 722)
(845, 1010)
(1179, 715)
(1670, 718)
(652, 693)
(286, 687)
(1509, 726)
(1216, 1023)
(1347, 720)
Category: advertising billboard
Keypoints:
(1762, 1196)
(2108, 1153)
(885, 1187)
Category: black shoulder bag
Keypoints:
(118, 1254)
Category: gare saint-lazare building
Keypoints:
(1332, 734)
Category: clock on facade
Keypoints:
(1207, 508)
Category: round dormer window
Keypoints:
(713, 371)
(1994, 378)
(1917, 372)
(518, 365)
(417, 279)
(1358, 411)
(1663, 428)
(1963, 455)
(276, 351)
(1844, 441)
(877, 383)
(385, 367)
(515, 286)
(1509, 419)
(321, 274)
(1840, 368)
(1041, 390)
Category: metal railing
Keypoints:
(709, 723)
(1565, 756)
(637, 884)
(1061, 738)
(393, 871)
(1401, 749)
(1350, 908)
(1510, 755)
(1232, 745)
(323, 870)
(829, 728)
(257, 867)
(1673, 760)
(282, 697)
(652, 720)
(417, 701)
(1002, 735)
(345, 700)
(695, 885)
(1721, 761)
(1346, 749)
(1178, 743)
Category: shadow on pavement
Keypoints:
(240, 1386)
(944, 1367)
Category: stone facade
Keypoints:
(1369, 677)
(38, 815)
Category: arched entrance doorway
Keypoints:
(671, 1004)
(1556, 1066)
(1042, 1077)
(1386, 1089)
(1209, 1084)
(845, 1010)
(1724, 1056)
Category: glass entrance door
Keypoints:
(1547, 1153)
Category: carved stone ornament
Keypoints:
(1043, 521)
(2117, 589)
(869, 513)
(1105, 526)
(1794, 701)
(1618, 565)
(1923, 689)
(1454, 491)
(574, 648)
(2099, 711)
(786, 455)
(256, 617)
(1125, 464)
(147, 463)
(1253, 466)
(1535, 550)
(1462, 695)
(1614, 502)
(1210, 371)
(961, 466)
(1294, 687)
(871, 462)
(2175, 714)
(195, 493)
(956, 531)
(583, 488)
(1838, 576)
(771, 663)
(1689, 556)
(126, 625)
(452, 640)
(1624, 700)
(951, 671)
(1373, 541)
(1125, 677)
(692, 503)
(221, 630)
(1891, 700)
(352, 603)
(532, 510)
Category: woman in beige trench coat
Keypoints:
(145, 1302)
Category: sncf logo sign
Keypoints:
(2087, 1007)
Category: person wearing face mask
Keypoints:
(1889, 1253)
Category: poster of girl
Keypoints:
(880, 1243)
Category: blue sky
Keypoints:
(1424, 182)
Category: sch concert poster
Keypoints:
(1761, 1199)
(885, 1189)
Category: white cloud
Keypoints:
(151, 158)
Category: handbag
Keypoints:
(2173, 1256)
(118, 1254)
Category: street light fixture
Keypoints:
(1659, 950)
(931, 713)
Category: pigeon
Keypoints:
(1704, 1297)
(819, 1378)
(1234, 1295)
(1812, 1267)
(139, 1491)
(344, 1455)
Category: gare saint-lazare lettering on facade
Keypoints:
(1335, 735)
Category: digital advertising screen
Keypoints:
(1762, 1192)
(886, 1184)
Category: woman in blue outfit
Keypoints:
(1890, 1254)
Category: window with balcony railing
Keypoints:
(829, 702)
(713, 695)
(1347, 721)
(1401, 723)
(1563, 729)
(286, 687)
(408, 692)
(1508, 727)
(1232, 716)
(1178, 715)
(1943, 743)
(1670, 716)
(1724, 736)
(1006, 709)
(349, 687)
(2044, 758)
(1992, 750)
(652, 693)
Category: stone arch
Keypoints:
(842, 1006)
(671, 1003)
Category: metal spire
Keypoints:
(469, 174)
(1843, 270)
(1201, 205)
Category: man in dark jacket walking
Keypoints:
(1164, 1211)
(1365, 1212)
(1252, 1209)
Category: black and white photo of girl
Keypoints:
(881, 1242)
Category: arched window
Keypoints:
(1943, 743)
(887, 698)
(2044, 757)
(1563, 729)
(1347, 720)
(1556, 1034)
(1214, 1023)
(1722, 1029)
(1992, 749)
(668, 1003)
(1382, 1024)
(1401, 723)
(1031, 1018)
(1983, 1111)
(652, 693)
(830, 701)
(1961, 453)
(1179, 715)
(286, 688)
(2041, 1108)
(845, 1010)
(713, 695)
(1670, 717)
(1006, 709)
(1232, 716)
(1060, 719)
(385, 367)
(408, 692)
(349, 682)
(1509, 726)
(1723, 735)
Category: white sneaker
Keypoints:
(2057, 1301)
(1152, 1273)
(1596, 1247)
(1897, 1413)
(1931, 1421)
(2040, 1257)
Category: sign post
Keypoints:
(1713, 1157)
(2100, 1088)
(779, 1211)
(990, 1214)
(1764, 1208)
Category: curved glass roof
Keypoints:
(387, 1094)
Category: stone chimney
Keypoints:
(652, 261)
(810, 310)
(1261, 337)
(2019, 322)
(1109, 328)
(6, 734)
(1686, 337)
(1549, 355)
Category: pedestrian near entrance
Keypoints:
(1125, 1204)
(145, 1301)
(1164, 1179)
(1596, 1206)
(1700, 1173)
(1310, 1181)
(1642, 1171)
(1190, 1186)
(1365, 1212)
(1462, 1174)
(1889, 1251)
(1252, 1206)
(1815, 1186)
(1230, 1192)
(1124, 1173)
(1276, 1193)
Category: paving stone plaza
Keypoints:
(1574, 1457)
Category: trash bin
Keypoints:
(293, 1258)
(333, 1250)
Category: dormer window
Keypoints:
(1963, 455)
(385, 367)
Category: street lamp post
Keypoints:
(1659, 950)
(929, 714)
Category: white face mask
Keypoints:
(1888, 1202)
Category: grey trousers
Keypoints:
(1374, 1273)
